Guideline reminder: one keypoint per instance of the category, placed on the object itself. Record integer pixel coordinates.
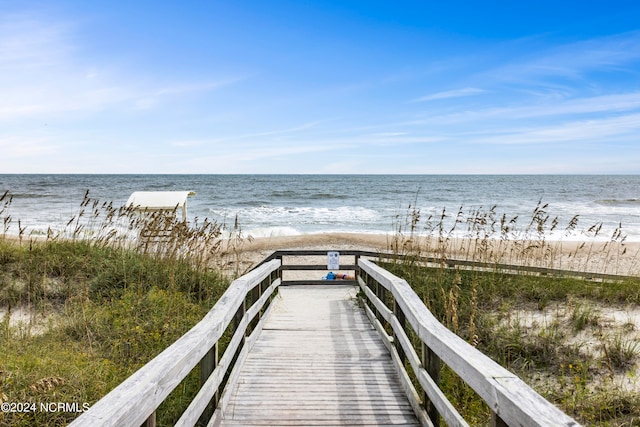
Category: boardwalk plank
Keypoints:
(318, 361)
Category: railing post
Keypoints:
(239, 315)
(151, 421)
(262, 287)
(431, 363)
(367, 283)
(402, 320)
(496, 421)
(275, 275)
(207, 366)
(279, 257)
(382, 295)
(256, 293)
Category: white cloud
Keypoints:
(458, 93)
(571, 61)
(17, 147)
(598, 104)
(145, 99)
(557, 109)
(256, 136)
(43, 74)
(28, 42)
(602, 131)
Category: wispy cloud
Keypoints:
(583, 105)
(150, 98)
(600, 131)
(42, 73)
(571, 61)
(230, 158)
(558, 109)
(260, 136)
(457, 93)
(598, 53)
(181, 89)
(29, 41)
(18, 147)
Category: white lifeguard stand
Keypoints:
(157, 232)
(160, 201)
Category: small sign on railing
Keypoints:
(333, 260)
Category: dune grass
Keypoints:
(95, 315)
(553, 332)
(98, 302)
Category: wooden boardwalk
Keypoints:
(317, 361)
(313, 358)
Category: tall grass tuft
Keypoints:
(102, 297)
(620, 351)
(483, 235)
(555, 348)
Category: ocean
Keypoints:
(276, 205)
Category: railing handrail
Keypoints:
(136, 399)
(453, 263)
(511, 400)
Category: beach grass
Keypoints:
(556, 333)
(84, 308)
(94, 316)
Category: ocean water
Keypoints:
(271, 205)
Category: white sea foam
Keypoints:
(282, 219)
(272, 232)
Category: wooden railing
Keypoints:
(312, 263)
(439, 261)
(243, 306)
(511, 401)
(391, 305)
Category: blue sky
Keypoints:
(320, 87)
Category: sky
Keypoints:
(356, 87)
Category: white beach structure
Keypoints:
(160, 201)
(157, 230)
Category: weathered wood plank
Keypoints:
(346, 418)
(316, 267)
(318, 361)
(283, 423)
(316, 423)
(291, 399)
